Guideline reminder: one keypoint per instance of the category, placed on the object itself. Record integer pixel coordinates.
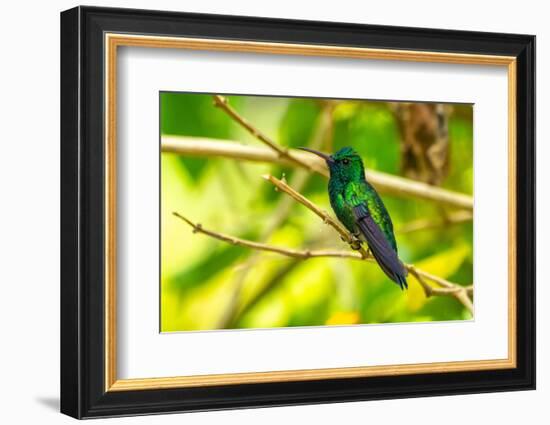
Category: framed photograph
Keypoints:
(261, 212)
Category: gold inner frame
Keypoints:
(113, 41)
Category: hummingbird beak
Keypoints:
(326, 157)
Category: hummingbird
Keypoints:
(361, 210)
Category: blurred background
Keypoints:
(210, 284)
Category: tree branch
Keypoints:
(323, 215)
(449, 289)
(287, 252)
(283, 152)
(383, 182)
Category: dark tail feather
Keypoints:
(398, 276)
(402, 282)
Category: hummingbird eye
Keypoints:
(345, 161)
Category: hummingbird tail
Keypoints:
(402, 282)
(383, 252)
(398, 276)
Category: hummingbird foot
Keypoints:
(355, 244)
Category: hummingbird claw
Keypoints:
(355, 244)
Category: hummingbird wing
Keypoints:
(379, 245)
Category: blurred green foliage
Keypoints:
(199, 274)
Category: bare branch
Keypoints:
(384, 183)
(287, 252)
(428, 289)
(323, 215)
(462, 296)
(281, 151)
(457, 291)
(436, 279)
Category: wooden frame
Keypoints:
(90, 38)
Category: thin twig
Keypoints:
(283, 152)
(457, 291)
(288, 252)
(383, 182)
(428, 289)
(462, 296)
(436, 279)
(323, 215)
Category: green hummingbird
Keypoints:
(361, 210)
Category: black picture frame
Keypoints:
(83, 392)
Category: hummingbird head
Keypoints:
(344, 165)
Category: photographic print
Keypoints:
(281, 212)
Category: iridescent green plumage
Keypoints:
(361, 210)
